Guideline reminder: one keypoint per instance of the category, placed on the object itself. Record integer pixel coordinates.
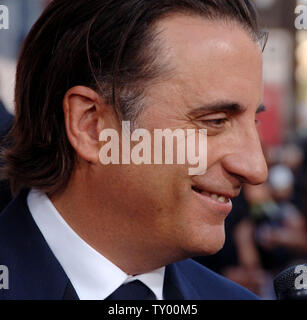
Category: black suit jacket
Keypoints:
(35, 273)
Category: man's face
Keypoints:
(216, 85)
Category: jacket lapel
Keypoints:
(34, 272)
(177, 286)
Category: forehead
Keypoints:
(212, 59)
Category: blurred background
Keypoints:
(267, 230)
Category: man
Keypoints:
(86, 229)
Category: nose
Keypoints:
(245, 158)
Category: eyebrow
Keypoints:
(222, 107)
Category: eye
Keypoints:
(215, 123)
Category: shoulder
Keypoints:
(210, 285)
(34, 272)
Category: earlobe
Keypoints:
(83, 111)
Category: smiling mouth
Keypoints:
(214, 196)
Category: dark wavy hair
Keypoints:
(110, 46)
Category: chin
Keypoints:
(208, 243)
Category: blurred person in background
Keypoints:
(272, 236)
(287, 226)
(6, 120)
(22, 15)
(292, 156)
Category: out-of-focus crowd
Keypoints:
(267, 229)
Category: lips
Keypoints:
(215, 196)
(216, 202)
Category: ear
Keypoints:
(86, 115)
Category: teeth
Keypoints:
(219, 198)
(222, 199)
(214, 196)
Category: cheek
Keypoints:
(150, 187)
(216, 147)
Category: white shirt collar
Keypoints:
(92, 275)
